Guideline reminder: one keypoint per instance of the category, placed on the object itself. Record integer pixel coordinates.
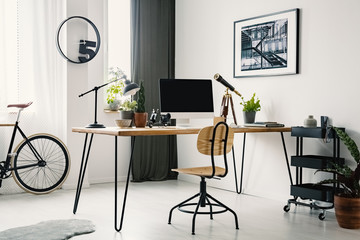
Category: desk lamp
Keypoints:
(129, 90)
(226, 98)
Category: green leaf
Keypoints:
(251, 105)
(349, 143)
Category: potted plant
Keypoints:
(250, 108)
(114, 91)
(346, 202)
(140, 116)
(127, 109)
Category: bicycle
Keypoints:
(39, 164)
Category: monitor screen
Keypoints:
(186, 98)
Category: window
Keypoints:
(30, 69)
(119, 37)
(9, 48)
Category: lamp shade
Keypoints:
(130, 88)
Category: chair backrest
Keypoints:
(205, 137)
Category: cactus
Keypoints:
(141, 99)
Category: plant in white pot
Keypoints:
(346, 202)
(250, 108)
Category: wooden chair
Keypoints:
(213, 141)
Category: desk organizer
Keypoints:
(312, 191)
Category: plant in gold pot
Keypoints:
(250, 108)
(346, 202)
(140, 116)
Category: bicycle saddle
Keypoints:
(22, 105)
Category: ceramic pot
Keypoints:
(310, 122)
(140, 119)
(249, 117)
(115, 105)
(347, 212)
(126, 114)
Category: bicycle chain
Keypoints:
(5, 174)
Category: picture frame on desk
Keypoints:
(267, 45)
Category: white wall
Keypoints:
(327, 83)
(81, 78)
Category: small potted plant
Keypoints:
(140, 115)
(346, 202)
(250, 108)
(127, 109)
(114, 91)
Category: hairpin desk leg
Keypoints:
(238, 190)
(286, 158)
(118, 229)
(82, 171)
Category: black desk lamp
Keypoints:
(130, 89)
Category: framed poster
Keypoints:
(267, 45)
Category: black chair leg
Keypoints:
(210, 205)
(201, 199)
(227, 208)
(204, 200)
(187, 200)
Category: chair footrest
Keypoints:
(180, 208)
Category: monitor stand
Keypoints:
(183, 122)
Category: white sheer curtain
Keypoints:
(31, 69)
(8, 49)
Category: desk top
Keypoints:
(157, 131)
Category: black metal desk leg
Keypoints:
(286, 157)
(238, 190)
(234, 161)
(82, 171)
(118, 229)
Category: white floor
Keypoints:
(147, 213)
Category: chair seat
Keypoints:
(201, 171)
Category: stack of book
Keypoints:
(264, 124)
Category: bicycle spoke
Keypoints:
(48, 175)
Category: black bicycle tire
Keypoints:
(64, 173)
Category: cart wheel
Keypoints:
(286, 208)
(321, 216)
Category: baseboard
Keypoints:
(71, 186)
(106, 180)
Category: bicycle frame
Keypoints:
(10, 154)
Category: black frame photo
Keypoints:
(267, 45)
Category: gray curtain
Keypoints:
(153, 57)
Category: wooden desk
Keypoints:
(155, 131)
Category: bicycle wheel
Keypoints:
(52, 164)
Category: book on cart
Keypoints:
(264, 124)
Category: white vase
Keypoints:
(310, 122)
(115, 105)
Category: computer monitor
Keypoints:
(186, 99)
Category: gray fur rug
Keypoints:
(49, 230)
